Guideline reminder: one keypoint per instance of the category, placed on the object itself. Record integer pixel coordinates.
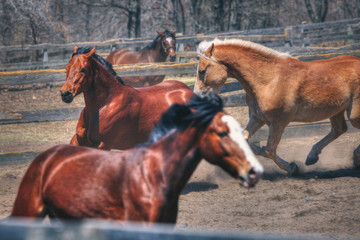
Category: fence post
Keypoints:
(45, 55)
(179, 47)
(288, 32)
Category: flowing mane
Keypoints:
(106, 64)
(179, 117)
(152, 45)
(203, 46)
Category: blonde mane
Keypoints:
(203, 46)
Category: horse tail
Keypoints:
(28, 202)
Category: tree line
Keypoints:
(61, 21)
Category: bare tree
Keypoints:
(321, 7)
(179, 15)
(131, 9)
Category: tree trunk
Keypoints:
(321, 7)
(219, 16)
(138, 19)
(238, 8)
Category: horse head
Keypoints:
(78, 74)
(168, 41)
(211, 74)
(223, 144)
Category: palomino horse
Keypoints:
(115, 115)
(141, 184)
(162, 47)
(281, 89)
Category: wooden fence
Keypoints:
(51, 76)
(293, 36)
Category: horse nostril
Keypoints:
(67, 96)
(173, 58)
(252, 174)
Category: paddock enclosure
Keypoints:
(323, 201)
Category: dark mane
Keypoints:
(106, 64)
(152, 45)
(199, 113)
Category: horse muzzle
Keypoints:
(172, 58)
(251, 179)
(67, 96)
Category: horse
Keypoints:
(158, 50)
(281, 89)
(142, 184)
(115, 116)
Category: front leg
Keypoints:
(253, 125)
(275, 132)
(80, 138)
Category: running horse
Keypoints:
(281, 89)
(141, 184)
(115, 115)
(158, 50)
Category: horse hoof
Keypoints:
(294, 170)
(356, 159)
(311, 160)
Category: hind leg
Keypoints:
(338, 127)
(27, 203)
(354, 117)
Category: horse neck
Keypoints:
(252, 69)
(180, 159)
(156, 54)
(103, 84)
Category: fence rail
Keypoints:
(50, 76)
(106, 230)
(300, 35)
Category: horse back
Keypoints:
(123, 56)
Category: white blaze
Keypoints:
(168, 39)
(237, 136)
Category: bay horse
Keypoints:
(115, 115)
(162, 47)
(281, 89)
(141, 184)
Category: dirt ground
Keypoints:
(323, 201)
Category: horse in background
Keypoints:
(281, 89)
(162, 47)
(144, 183)
(115, 116)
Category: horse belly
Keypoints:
(316, 114)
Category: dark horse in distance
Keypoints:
(116, 116)
(141, 184)
(158, 50)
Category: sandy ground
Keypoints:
(324, 200)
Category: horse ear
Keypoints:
(91, 53)
(173, 32)
(211, 49)
(160, 33)
(75, 49)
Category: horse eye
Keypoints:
(222, 134)
(83, 70)
(202, 72)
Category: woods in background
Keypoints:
(61, 21)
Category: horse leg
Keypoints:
(354, 116)
(338, 127)
(80, 138)
(276, 130)
(253, 125)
